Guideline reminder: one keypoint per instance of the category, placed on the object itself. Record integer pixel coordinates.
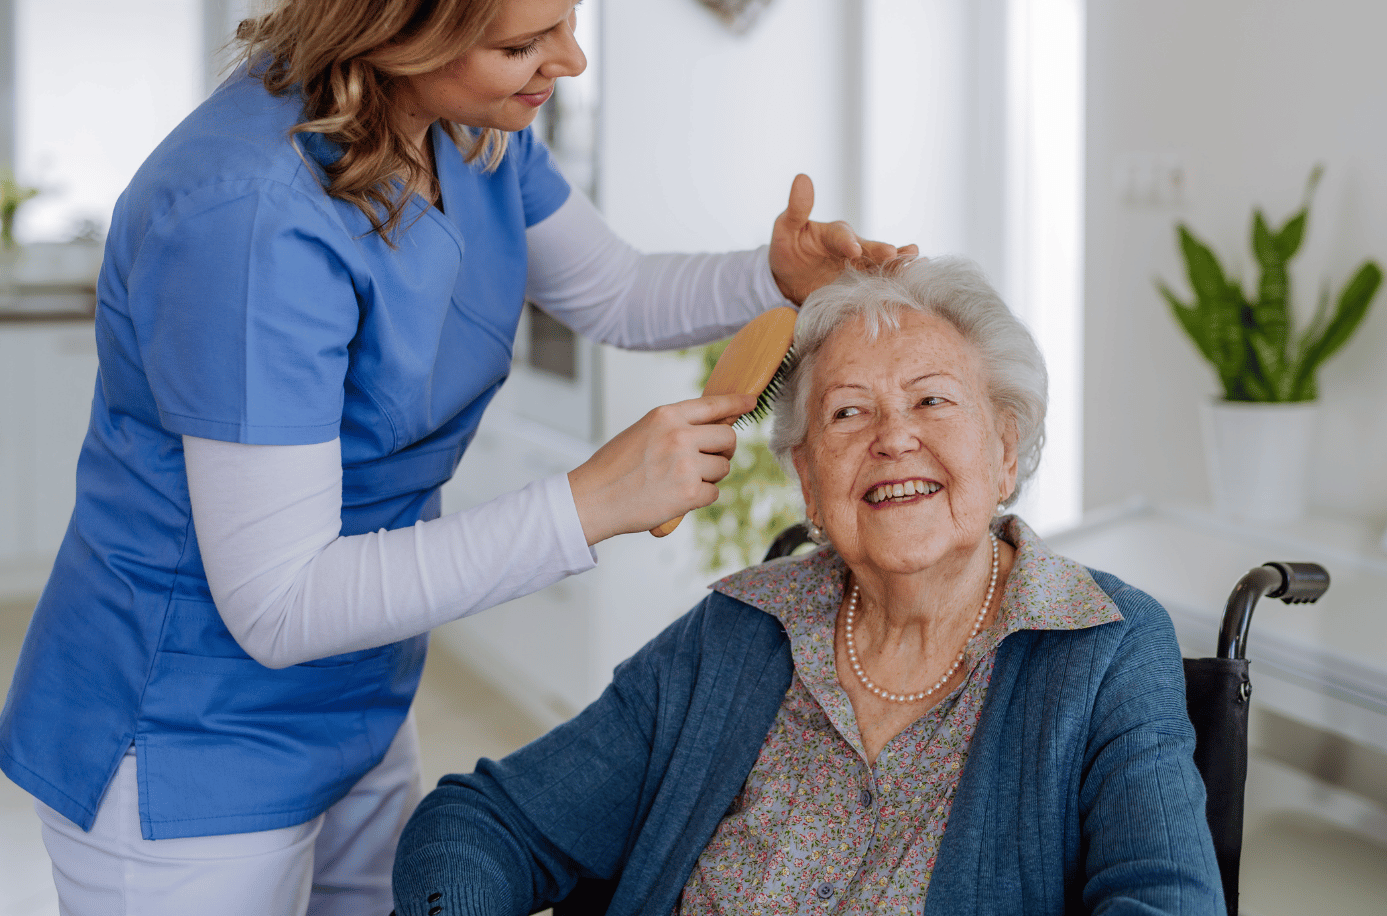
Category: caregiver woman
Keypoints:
(309, 296)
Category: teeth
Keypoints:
(901, 490)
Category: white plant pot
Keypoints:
(1259, 458)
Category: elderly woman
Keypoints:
(931, 713)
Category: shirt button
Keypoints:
(865, 798)
(824, 891)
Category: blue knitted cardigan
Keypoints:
(1079, 794)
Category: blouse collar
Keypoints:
(1045, 591)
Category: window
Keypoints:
(1044, 230)
(97, 86)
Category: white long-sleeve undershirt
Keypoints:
(590, 279)
(291, 588)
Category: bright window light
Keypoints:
(1044, 228)
(97, 85)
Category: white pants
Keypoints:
(337, 864)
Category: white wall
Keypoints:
(933, 124)
(704, 130)
(1246, 95)
(47, 375)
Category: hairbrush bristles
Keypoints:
(768, 394)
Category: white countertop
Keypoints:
(1324, 662)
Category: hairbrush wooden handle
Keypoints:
(747, 367)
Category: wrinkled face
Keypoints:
(503, 80)
(905, 459)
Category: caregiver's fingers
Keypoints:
(839, 239)
(801, 202)
(662, 466)
(879, 253)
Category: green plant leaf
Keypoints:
(1292, 234)
(1191, 320)
(1353, 305)
(1218, 303)
(1227, 361)
(1305, 390)
(1271, 311)
(1313, 182)
(1317, 321)
(1206, 275)
(1263, 239)
(1303, 386)
(1231, 324)
(1254, 388)
(1269, 366)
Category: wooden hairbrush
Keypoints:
(756, 361)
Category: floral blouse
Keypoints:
(817, 829)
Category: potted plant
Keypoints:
(1259, 432)
(12, 196)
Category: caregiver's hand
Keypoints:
(805, 255)
(665, 465)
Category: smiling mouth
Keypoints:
(902, 491)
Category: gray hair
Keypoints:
(950, 288)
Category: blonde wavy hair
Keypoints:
(343, 56)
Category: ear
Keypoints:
(802, 471)
(1011, 458)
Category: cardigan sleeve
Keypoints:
(494, 841)
(1146, 841)
(631, 789)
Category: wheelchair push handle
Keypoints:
(1293, 583)
(1302, 583)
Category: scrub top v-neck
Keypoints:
(239, 302)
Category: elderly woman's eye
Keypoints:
(931, 401)
(843, 413)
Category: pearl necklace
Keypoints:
(914, 697)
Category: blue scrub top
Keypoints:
(239, 302)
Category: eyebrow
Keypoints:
(915, 381)
(928, 375)
(528, 36)
(521, 39)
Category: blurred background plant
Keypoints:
(12, 196)
(758, 501)
(1250, 340)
